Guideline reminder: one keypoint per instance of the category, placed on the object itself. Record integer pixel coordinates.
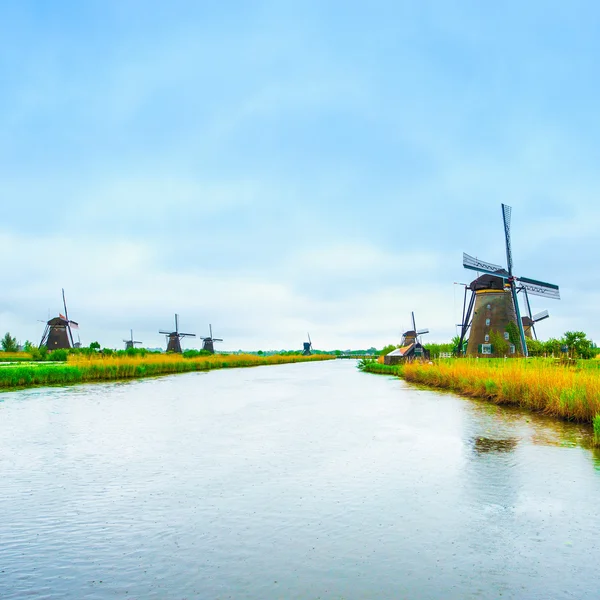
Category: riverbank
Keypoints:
(570, 392)
(80, 369)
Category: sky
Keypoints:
(278, 168)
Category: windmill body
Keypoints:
(174, 337)
(410, 346)
(493, 310)
(494, 306)
(307, 347)
(208, 343)
(58, 332)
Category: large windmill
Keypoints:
(410, 346)
(174, 345)
(130, 343)
(208, 342)
(307, 347)
(57, 333)
(494, 305)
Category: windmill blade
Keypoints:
(413, 321)
(470, 262)
(506, 212)
(422, 331)
(540, 288)
(210, 330)
(165, 332)
(65, 305)
(74, 324)
(217, 340)
(187, 335)
(309, 340)
(131, 331)
(540, 316)
(176, 323)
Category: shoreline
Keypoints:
(18, 377)
(568, 393)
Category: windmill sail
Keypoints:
(540, 316)
(470, 262)
(540, 288)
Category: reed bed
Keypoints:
(568, 391)
(81, 369)
(15, 357)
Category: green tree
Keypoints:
(500, 346)
(387, 349)
(552, 346)
(94, 346)
(9, 344)
(578, 344)
(536, 348)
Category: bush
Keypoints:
(58, 355)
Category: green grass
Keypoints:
(80, 371)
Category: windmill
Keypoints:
(208, 342)
(494, 305)
(130, 343)
(530, 320)
(174, 345)
(410, 346)
(57, 333)
(307, 347)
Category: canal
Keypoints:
(308, 480)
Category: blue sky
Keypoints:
(275, 168)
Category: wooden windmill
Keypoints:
(410, 346)
(130, 343)
(173, 337)
(307, 347)
(208, 342)
(58, 334)
(493, 305)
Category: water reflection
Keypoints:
(483, 445)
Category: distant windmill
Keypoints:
(174, 345)
(130, 343)
(208, 342)
(307, 351)
(410, 346)
(530, 320)
(494, 304)
(57, 333)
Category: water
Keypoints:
(293, 481)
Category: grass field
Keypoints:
(570, 391)
(80, 369)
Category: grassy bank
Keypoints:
(81, 369)
(569, 391)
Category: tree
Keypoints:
(9, 344)
(94, 346)
(552, 346)
(499, 344)
(535, 348)
(387, 349)
(578, 344)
